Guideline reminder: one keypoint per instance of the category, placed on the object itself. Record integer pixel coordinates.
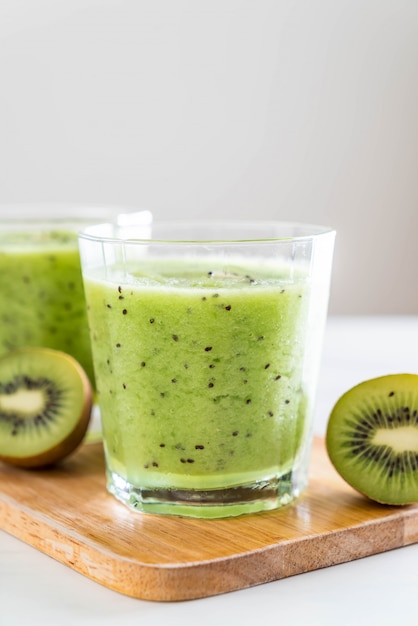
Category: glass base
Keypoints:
(264, 495)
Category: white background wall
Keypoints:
(288, 109)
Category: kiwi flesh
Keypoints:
(45, 406)
(372, 438)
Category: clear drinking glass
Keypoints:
(206, 344)
(42, 299)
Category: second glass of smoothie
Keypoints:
(42, 299)
(206, 344)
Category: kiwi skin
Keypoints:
(63, 448)
(372, 438)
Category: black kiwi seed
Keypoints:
(372, 438)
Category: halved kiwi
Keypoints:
(45, 406)
(372, 438)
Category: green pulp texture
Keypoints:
(42, 299)
(200, 376)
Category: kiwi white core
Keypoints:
(399, 439)
(24, 402)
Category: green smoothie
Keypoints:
(41, 294)
(200, 372)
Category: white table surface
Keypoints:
(377, 590)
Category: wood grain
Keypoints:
(67, 514)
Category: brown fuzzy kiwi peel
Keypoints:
(372, 438)
(29, 437)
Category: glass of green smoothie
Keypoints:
(42, 299)
(206, 343)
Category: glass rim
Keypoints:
(83, 213)
(308, 232)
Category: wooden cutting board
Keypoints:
(67, 514)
